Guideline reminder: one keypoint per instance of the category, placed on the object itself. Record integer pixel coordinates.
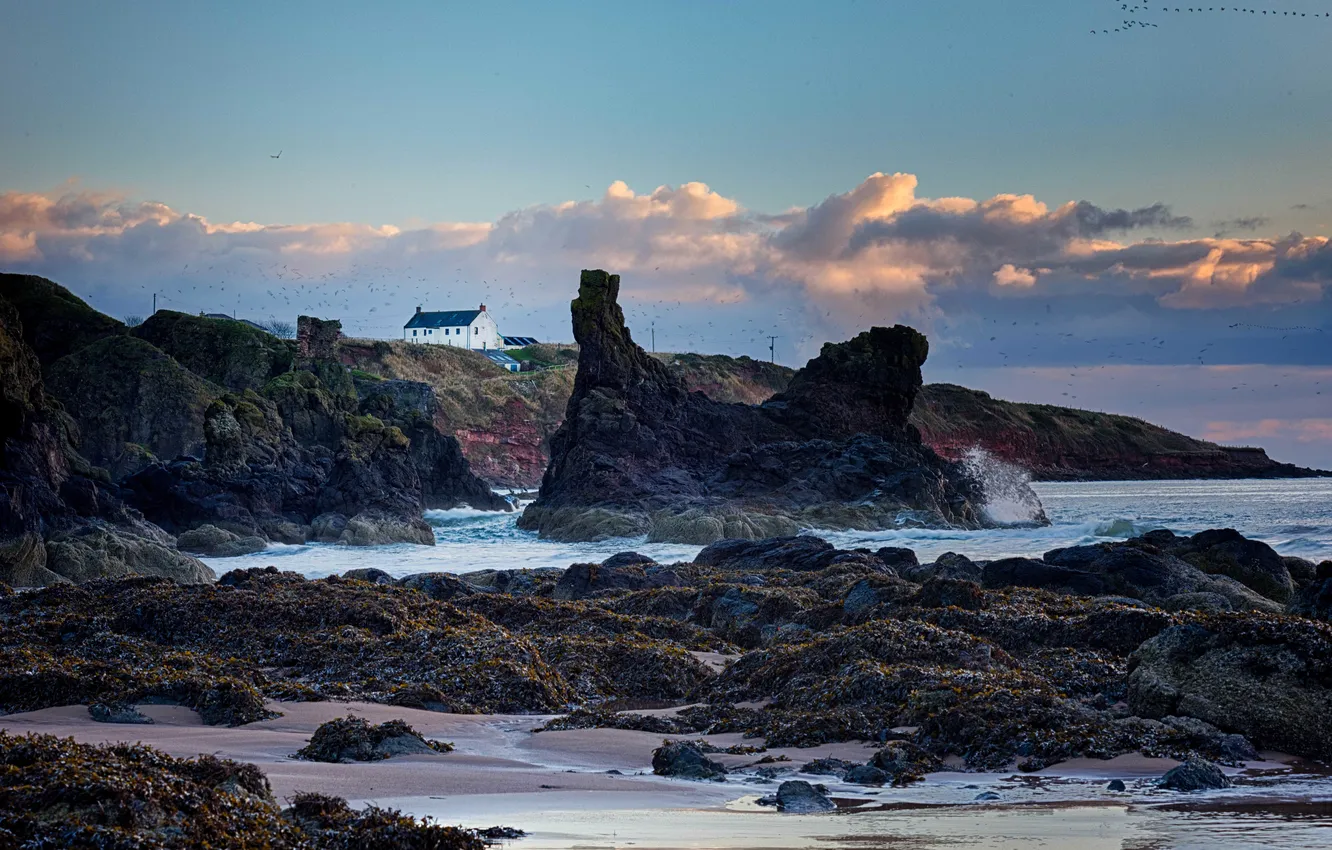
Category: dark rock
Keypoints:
(219, 543)
(1314, 600)
(1302, 571)
(1116, 785)
(865, 774)
(685, 759)
(799, 797)
(627, 559)
(897, 558)
(802, 554)
(444, 587)
(117, 712)
(1231, 749)
(1224, 551)
(828, 767)
(1135, 568)
(987, 796)
(1195, 775)
(580, 581)
(54, 321)
(370, 574)
(639, 453)
(949, 565)
(132, 402)
(1268, 681)
(1025, 572)
(950, 593)
(1198, 601)
(352, 739)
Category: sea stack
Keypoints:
(638, 453)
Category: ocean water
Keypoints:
(1292, 515)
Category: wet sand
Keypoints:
(556, 786)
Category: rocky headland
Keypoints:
(638, 453)
(121, 443)
(505, 421)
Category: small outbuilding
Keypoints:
(503, 360)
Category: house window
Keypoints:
(413, 333)
(446, 332)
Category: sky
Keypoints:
(1134, 221)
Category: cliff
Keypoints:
(1067, 444)
(60, 518)
(209, 428)
(639, 453)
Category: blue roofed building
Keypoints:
(499, 358)
(474, 329)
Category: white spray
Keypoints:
(1009, 499)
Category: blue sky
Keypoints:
(138, 135)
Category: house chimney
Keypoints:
(418, 309)
(483, 308)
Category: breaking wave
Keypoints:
(1009, 499)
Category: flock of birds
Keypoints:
(1134, 10)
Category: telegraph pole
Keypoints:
(772, 349)
(654, 337)
(154, 303)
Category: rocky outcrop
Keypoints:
(228, 353)
(685, 760)
(308, 458)
(1067, 444)
(133, 403)
(1138, 569)
(54, 321)
(798, 797)
(1267, 679)
(60, 519)
(638, 453)
(1194, 775)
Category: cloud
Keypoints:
(877, 252)
(1247, 224)
(1300, 430)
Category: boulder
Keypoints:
(801, 554)
(897, 558)
(1195, 775)
(949, 565)
(1314, 600)
(828, 767)
(353, 739)
(795, 796)
(1224, 551)
(103, 551)
(370, 575)
(444, 587)
(580, 581)
(1270, 681)
(686, 760)
(209, 540)
(866, 774)
(117, 712)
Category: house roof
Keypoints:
(499, 357)
(519, 340)
(443, 319)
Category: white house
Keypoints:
(473, 329)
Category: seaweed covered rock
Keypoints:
(351, 739)
(117, 712)
(103, 551)
(1195, 775)
(686, 760)
(224, 649)
(58, 793)
(1267, 678)
(638, 453)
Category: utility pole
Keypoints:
(772, 349)
(154, 303)
(654, 337)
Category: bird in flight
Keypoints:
(277, 155)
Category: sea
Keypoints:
(1294, 516)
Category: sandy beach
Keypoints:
(556, 785)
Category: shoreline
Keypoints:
(501, 768)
